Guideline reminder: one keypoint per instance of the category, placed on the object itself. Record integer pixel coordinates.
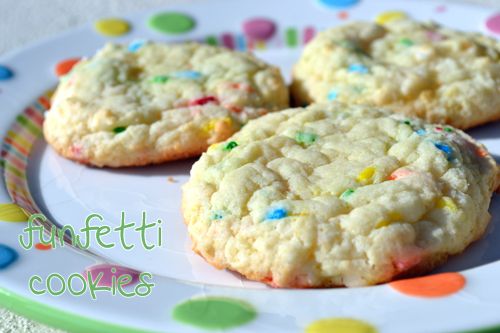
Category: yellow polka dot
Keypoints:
(340, 325)
(12, 213)
(366, 175)
(448, 203)
(386, 17)
(112, 27)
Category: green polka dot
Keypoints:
(214, 312)
(171, 23)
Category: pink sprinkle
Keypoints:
(409, 259)
(203, 101)
(309, 33)
(109, 271)
(493, 23)
(259, 28)
(400, 173)
(434, 36)
(228, 40)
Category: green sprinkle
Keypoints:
(230, 145)
(407, 122)
(406, 42)
(159, 79)
(347, 193)
(448, 129)
(305, 138)
(119, 129)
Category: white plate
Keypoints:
(67, 193)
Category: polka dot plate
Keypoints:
(189, 295)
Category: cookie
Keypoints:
(417, 69)
(153, 102)
(337, 195)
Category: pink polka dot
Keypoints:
(259, 28)
(493, 23)
(109, 271)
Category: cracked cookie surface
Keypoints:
(419, 69)
(131, 106)
(334, 195)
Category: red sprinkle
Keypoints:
(203, 101)
(439, 129)
(65, 66)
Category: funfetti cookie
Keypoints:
(417, 69)
(151, 103)
(335, 195)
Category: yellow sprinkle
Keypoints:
(112, 27)
(447, 202)
(213, 147)
(393, 217)
(260, 45)
(12, 213)
(366, 175)
(209, 126)
(390, 16)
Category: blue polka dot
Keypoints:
(332, 95)
(447, 150)
(5, 73)
(338, 3)
(276, 214)
(186, 75)
(7, 256)
(136, 45)
(358, 68)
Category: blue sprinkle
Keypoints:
(358, 68)
(136, 45)
(332, 95)
(186, 75)
(7, 256)
(421, 132)
(5, 73)
(445, 149)
(276, 214)
(217, 215)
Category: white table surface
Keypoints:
(24, 21)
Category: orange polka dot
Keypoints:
(65, 66)
(437, 285)
(43, 247)
(343, 15)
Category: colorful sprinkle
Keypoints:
(119, 129)
(7, 256)
(400, 173)
(230, 145)
(136, 45)
(110, 272)
(340, 325)
(347, 193)
(448, 129)
(12, 213)
(390, 16)
(358, 68)
(43, 247)
(392, 217)
(172, 23)
(5, 73)
(493, 23)
(214, 313)
(448, 203)
(112, 27)
(434, 36)
(438, 285)
(406, 42)
(259, 28)
(445, 149)
(407, 122)
(421, 132)
(211, 125)
(438, 129)
(366, 175)
(332, 95)
(203, 101)
(305, 138)
(192, 75)
(159, 79)
(276, 214)
(338, 3)
(65, 66)
(481, 152)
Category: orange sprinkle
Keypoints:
(481, 152)
(438, 285)
(43, 247)
(65, 66)
(343, 15)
